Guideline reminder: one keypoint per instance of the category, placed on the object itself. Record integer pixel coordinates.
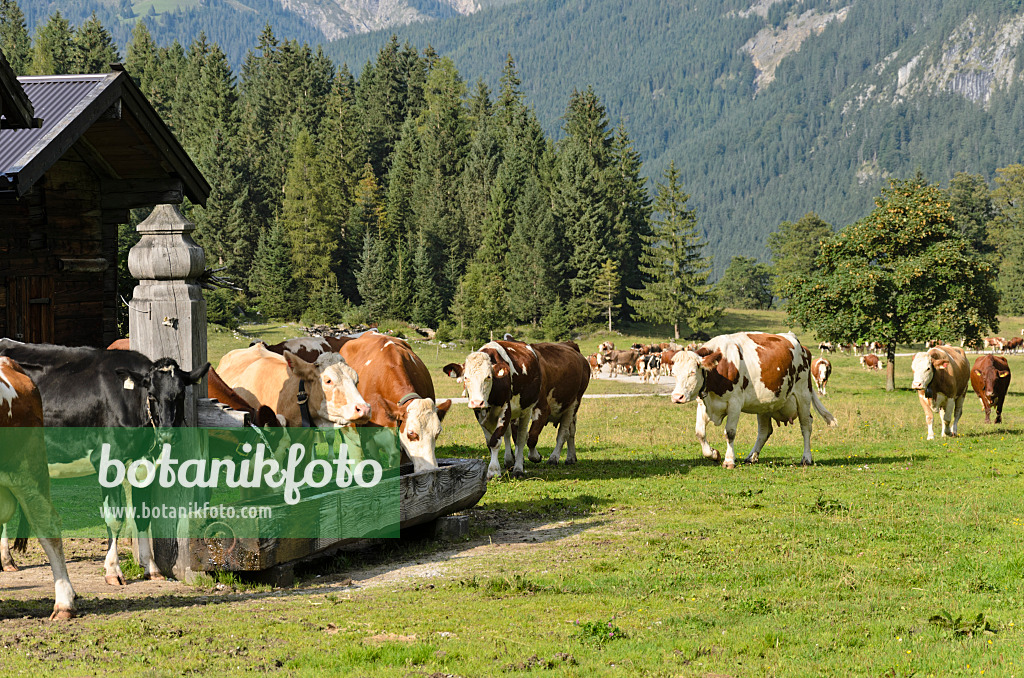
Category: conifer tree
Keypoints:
(14, 40)
(606, 290)
(142, 58)
(272, 283)
(675, 290)
(94, 47)
(53, 49)
(366, 223)
(313, 239)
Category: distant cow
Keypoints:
(86, 387)
(764, 374)
(307, 348)
(503, 382)
(24, 476)
(994, 343)
(990, 379)
(821, 370)
(1013, 345)
(398, 387)
(826, 347)
(609, 346)
(649, 367)
(621, 361)
(596, 361)
(565, 378)
(871, 361)
(941, 378)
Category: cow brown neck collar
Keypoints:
(303, 400)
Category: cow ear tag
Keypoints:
(129, 385)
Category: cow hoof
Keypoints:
(11, 568)
(805, 463)
(517, 473)
(154, 576)
(535, 457)
(116, 580)
(62, 615)
(728, 464)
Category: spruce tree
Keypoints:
(607, 285)
(675, 290)
(372, 277)
(304, 217)
(142, 58)
(271, 282)
(94, 47)
(53, 50)
(14, 40)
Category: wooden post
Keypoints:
(167, 318)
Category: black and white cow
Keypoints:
(95, 388)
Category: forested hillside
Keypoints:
(822, 136)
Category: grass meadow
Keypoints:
(891, 556)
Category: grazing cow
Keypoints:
(503, 382)
(596, 360)
(1013, 345)
(994, 343)
(307, 348)
(397, 385)
(565, 378)
(990, 379)
(621, 361)
(24, 477)
(264, 378)
(91, 387)
(871, 362)
(941, 379)
(821, 370)
(826, 347)
(763, 374)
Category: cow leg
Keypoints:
(702, 427)
(111, 509)
(999, 410)
(538, 420)
(803, 411)
(493, 443)
(764, 432)
(958, 410)
(6, 559)
(928, 415)
(732, 420)
(566, 435)
(522, 433)
(43, 519)
(987, 407)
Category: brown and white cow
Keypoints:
(307, 348)
(871, 362)
(397, 385)
(821, 370)
(596, 360)
(565, 377)
(649, 367)
(764, 374)
(994, 343)
(264, 378)
(610, 346)
(941, 378)
(25, 478)
(503, 382)
(990, 379)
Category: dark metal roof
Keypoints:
(55, 99)
(69, 105)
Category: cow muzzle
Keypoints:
(476, 404)
(679, 398)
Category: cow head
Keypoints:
(691, 373)
(419, 425)
(165, 385)
(478, 376)
(924, 366)
(343, 404)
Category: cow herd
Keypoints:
(513, 388)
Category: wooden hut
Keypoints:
(87, 150)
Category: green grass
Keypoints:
(877, 561)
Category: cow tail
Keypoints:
(829, 417)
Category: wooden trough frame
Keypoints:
(457, 484)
